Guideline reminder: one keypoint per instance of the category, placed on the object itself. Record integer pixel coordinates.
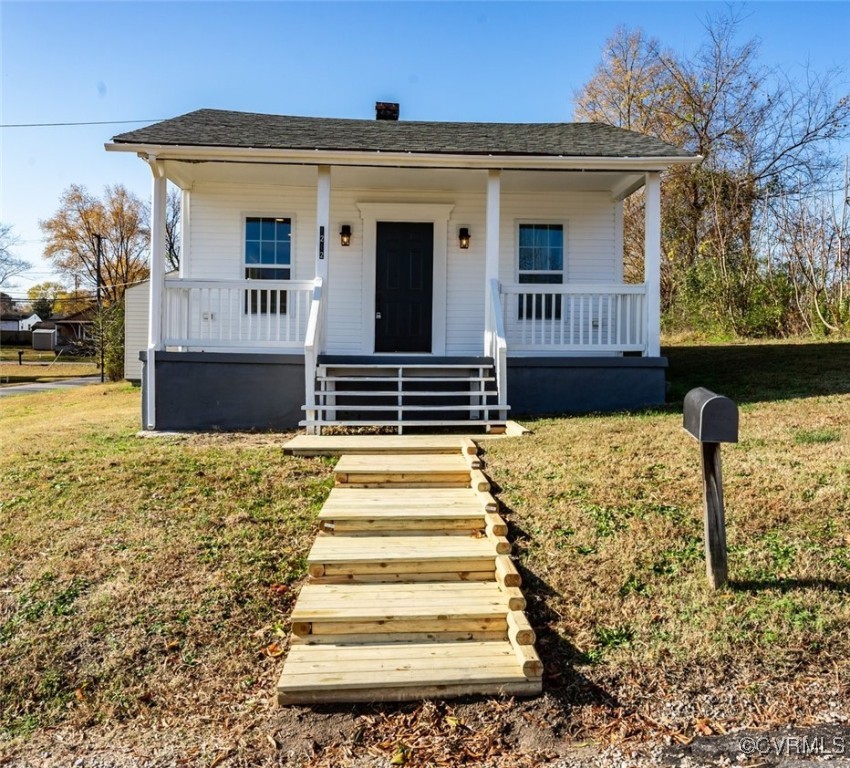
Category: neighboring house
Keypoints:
(18, 322)
(136, 315)
(27, 323)
(75, 327)
(397, 273)
(10, 322)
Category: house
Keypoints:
(136, 318)
(397, 273)
(14, 321)
(10, 321)
(71, 328)
(136, 306)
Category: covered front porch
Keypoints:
(505, 331)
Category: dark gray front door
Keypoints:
(404, 286)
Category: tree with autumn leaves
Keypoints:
(122, 221)
(768, 140)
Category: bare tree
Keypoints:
(760, 132)
(172, 228)
(10, 265)
(813, 233)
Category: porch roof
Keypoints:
(242, 130)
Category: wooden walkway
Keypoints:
(412, 592)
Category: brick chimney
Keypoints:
(386, 110)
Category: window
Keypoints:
(268, 256)
(541, 260)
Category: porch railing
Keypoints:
(236, 314)
(574, 318)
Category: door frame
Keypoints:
(438, 215)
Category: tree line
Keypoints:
(755, 238)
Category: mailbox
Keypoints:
(710, 418)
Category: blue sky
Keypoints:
(500, 61)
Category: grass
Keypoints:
(145, 584)
(41, 366)
(136, 573)
(606, 511)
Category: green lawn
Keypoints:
(145, 584)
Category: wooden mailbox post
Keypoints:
(712, 419)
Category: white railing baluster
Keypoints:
(236, 314)
(573, 318)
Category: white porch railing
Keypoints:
(236, 314)
(312, 348)
(498, 347)
(574, 318)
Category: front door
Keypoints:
(404, 286)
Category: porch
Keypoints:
(554, 348)
(500, 330)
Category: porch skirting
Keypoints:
(234, 390)
(227, 390)
(554, 385)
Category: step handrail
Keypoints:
(312, 347)
(499, 346)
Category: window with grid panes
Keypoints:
(268, 256)
(541, 261)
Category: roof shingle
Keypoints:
(220, 128)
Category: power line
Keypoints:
(95, 122)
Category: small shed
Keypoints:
(44, 339)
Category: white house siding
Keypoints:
(216, 246)
(217, 227)
(136, 313)
(590, 221)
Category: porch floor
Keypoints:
(411, 592)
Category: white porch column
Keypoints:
(323, 221)
(491, 250)
(185, 229)
(157, 288)
(652, 262)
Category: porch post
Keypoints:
(652, 263)
(323, 215)
(157, 288)
(491, 251)
(185, 229)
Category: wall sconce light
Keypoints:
(463, 238)
(345, 235)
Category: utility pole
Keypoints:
(99, 239)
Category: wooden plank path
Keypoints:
(411, 593)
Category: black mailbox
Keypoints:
(710, 418)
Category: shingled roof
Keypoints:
(219, 128)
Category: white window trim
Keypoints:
(563, 223)
(438, 214)
(243, 230)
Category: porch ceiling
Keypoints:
(187, 174)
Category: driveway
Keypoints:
(44, 386)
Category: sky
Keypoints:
(66, 62)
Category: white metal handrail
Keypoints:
(236, 314)
(312, 350)
(600, 317)
(498, 347)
